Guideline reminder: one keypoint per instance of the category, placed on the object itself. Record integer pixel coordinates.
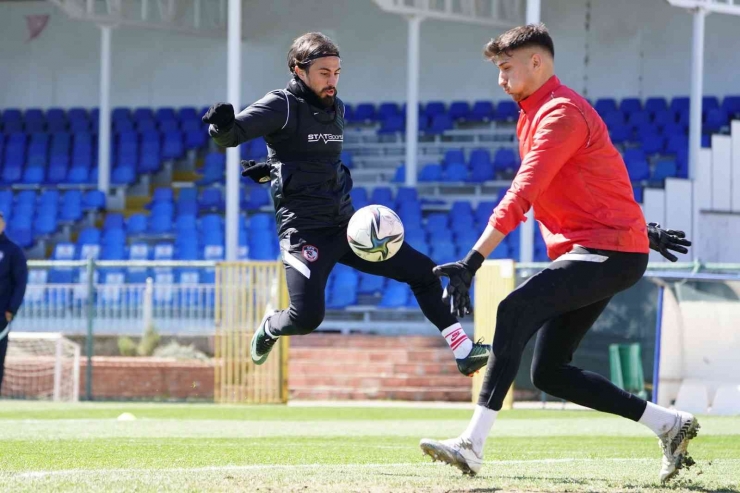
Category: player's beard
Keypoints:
(327, 100)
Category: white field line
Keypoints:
(257, 467)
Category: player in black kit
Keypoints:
(303, 126)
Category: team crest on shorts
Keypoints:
(310, 253)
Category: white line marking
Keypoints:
(256, 467)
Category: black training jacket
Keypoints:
(310, 186)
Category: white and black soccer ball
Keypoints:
(375, 233)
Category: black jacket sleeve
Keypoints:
(19, 277)
(263, 117)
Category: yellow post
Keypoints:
(244, 290)
(493, 282)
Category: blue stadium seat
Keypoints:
(165, 114)
(160, 224)
(89, 236)
(392, 125)
(370, 284)
(680, 104)
(93, 200)
(77, 175)
(443, 251)
(482, 111)
(440, 124)
(364, 112)
(628, 106)
(113, 250)
(654, 105)
(349, 113)
(480, 157)
(459, 110)
(123, 174)
(613, 118)
(173, 147)
(211, 199)
(113, 220)
(638, 193)
(638, 117)
(480, 173)
(214, 169)
(605, 106)
(674, 128)
(652, 144)
(388, 109)
(382, 196)
(346, 158)
(136, 224)
(456, 172)
(262, 222)
(620, 134)
(505, 160)
(195, 139)
(406, 194)
(664, 168)
(483, 211)
(186, 225)
(359, 197)
(258, 149)
(717, 118)
(399, 176)
(395, 295)
(638, 168)
(163, 251)
(506, 111)
(677, 143)
(45, 224)
(33, 174)
(434, 108)
(188, 113)
(430, 173)
(258, 197)
(71, 209)
(731, 104)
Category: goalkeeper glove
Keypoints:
(460, 273)
(258, 172)
(221, 115)
(661, 241)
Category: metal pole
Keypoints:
(104, 125)
(232, 154)
(697, 90)
(533, 11)
(90, 321)
(656, 353)
(526, 242)
(412, 101)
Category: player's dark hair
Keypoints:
(520, 37)
(307, 48)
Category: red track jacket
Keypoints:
(573, 177)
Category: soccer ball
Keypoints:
(375, 233)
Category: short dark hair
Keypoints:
(307, 48)
(520, 37)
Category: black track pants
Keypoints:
(562, 302)
(309, 258)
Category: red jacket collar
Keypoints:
(537, 98)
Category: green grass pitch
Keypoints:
(199, 447)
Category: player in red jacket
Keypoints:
(577, 183)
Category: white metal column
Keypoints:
(104, 128)
(533, 11)
(526, 242)
(232, 154)
(412, 101)
(697, 89)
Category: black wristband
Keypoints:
(473, 260)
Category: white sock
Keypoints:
(658, 419)
(479, 427)
(458, 340)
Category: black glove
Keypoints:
(221, 115)
(258, 172)
(457, 292)
(661, 241)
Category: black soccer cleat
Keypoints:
(475, 360)
(262, 343)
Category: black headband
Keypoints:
(315, 56)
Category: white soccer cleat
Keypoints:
(458, 452)
(674, 444)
